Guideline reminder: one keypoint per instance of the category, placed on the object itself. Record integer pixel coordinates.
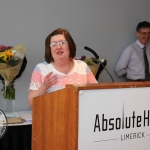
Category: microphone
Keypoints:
(97, 57)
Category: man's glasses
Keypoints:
(144, 33)
(61, 43)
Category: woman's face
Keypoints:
(59, 47)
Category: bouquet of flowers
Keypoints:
(91, 63)
(11, 59)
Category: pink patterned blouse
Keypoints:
(80, 74)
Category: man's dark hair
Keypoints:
(144, 24)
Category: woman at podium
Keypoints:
(60, 67)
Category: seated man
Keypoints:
(133, 63)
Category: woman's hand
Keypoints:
(50, 79)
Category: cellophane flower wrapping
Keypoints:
(93, 66)
(10, 64)
(91, 62)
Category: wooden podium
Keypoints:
(55, 115)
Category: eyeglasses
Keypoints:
(61, 43)
(144, 33)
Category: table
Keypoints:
(18, 136)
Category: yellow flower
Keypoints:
(3, 57)
(9, 54)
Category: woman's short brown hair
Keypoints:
(71, 44)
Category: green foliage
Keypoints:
(14, 61)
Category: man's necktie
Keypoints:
(147, 74)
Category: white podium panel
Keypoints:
(114, 119)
